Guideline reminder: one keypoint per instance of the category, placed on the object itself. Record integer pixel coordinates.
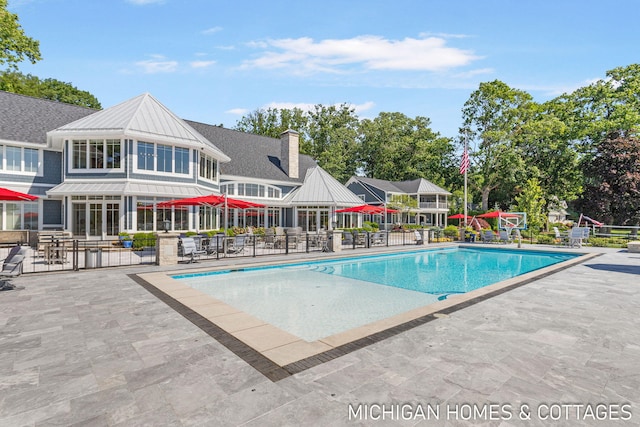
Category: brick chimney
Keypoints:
(290, 141)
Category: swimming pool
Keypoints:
(313, 300)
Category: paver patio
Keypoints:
(95, 348)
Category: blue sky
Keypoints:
(213, 61)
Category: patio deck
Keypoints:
(95, 348)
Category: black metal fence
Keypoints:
(221, 246)
(73, 254)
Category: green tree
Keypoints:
(396, 148)
(15, 45)
(332, 140)
(531, 201)
(606, 106)
(52, 89)
(492, 116)
(544, 144)
(272, 122)
(612, 189)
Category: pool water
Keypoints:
(318, 299)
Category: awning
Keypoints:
(125, 189)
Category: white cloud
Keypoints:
(201, 64)
(366, 52)
(158, 64)
(473, 73)
(212, 30)
(238, 111)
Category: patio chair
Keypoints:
(419, 238)
(187, 248)
(347, 238)
(377, 238)
(237, 244)
(575, 237)
(11, 268)
(216, 244)
(488, 237)
(504, 237)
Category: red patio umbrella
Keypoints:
(367, 209)
(10, 195)
(496, 214)
(214, 200)
(458, 216)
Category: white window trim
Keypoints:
(22, 171)
(71, 169)
(216, 180)
(155, 161)
(266, 190)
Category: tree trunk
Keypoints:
(485, 197)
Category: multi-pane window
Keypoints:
(251, 190)
(145, 156)
(79, 154)
(30, 160)
(182, 160)
(162, 158)
(19, 159)
(113, 153)
(95, 154)
(208, 167)
(165, 158)
(14, 158)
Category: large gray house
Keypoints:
(98, 173)
(431, 200)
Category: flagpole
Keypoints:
(465, 183)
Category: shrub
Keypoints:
(451, 231)
(544, 239)
(141, 240)
(371, 226)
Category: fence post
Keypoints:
(307, 243)
(254, 238)
(74, 256)
(286, 243)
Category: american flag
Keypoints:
(464, 164)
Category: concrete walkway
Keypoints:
(95, 348)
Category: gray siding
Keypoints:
(51, 212)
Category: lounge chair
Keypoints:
(488, 237)
(504, 237)
(216, 244)
(11, 268)
(237, 244)
(347, 238)
(187, 248)
(377, 238)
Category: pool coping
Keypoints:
(278, 354)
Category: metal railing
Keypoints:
(77, 254)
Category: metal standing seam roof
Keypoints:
(142, 116)
(416, 186)
(126, 189)
(320, 188)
